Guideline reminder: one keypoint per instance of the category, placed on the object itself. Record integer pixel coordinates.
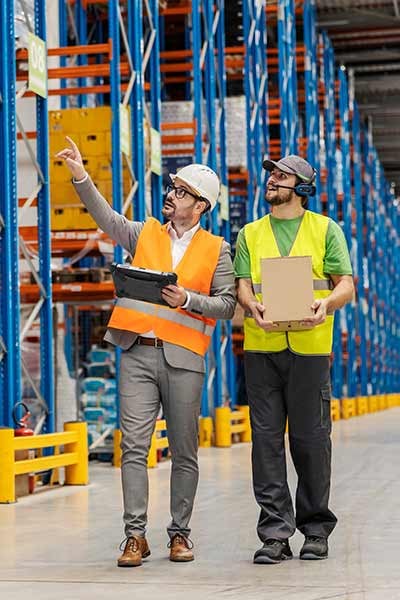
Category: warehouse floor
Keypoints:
(63, 543)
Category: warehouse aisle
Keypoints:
(63, 544)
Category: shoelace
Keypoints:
(272, 542)
(131, 542)
(180, 539)
(314, 538)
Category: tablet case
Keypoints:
(141, 284)
(287, 291)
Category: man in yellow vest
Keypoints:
(287, 374)
(164, 346)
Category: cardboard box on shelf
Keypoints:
(93, 144)
(59, 173)
(63, 194)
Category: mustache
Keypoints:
(168, 202)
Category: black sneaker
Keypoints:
(314, 548)
(272, 552)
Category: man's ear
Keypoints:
(200, 206)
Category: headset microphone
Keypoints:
(302, 189)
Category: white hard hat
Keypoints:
(202, 180)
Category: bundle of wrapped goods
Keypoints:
(236, 133)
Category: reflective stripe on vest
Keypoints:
(195, 272)
(310, 241)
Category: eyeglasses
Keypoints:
(180, 192)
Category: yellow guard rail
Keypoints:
(74, 458)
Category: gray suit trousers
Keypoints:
(146, 382)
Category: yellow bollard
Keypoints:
(382, 402)
(7, 461)
(152, 456)
(78, 474)
(362, 405)
(117, 448)
(348, 408)
(205, 432)
(372, 403)
(335, 410)
(389, 398)
(245, 436)
(223, 435)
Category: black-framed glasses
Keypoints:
(181, 192)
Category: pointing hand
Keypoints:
(73, 159)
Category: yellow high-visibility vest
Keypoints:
(310, 241)
(195, 272)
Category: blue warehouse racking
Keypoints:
(296, 100)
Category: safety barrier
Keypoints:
(158, 442)
(362, 405)
(229, 422)
(74, 458)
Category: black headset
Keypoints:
(305, 189)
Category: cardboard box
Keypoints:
(287, 291)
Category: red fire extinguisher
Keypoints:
(22, 429)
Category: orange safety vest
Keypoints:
(195, 273)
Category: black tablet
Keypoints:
(141, 284)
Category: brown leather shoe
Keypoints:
(180, 549)
(136, 548)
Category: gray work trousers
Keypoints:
(280, 386)
(146, 381)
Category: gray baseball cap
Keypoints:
(294, 165)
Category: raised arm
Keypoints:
(117, 226)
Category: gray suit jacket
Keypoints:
(219, 305)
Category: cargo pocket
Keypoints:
(325, 398)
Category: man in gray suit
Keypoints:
(163, 349)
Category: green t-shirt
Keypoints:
(336, 260)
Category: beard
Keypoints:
(276, 200)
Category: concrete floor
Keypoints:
(62, 544)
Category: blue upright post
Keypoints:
(347, 210)
(210, 98)
(287, 76)
(155, 100)
(367, 200)
(332, 193)
(10, 365)
(81, 26)
(197, 80)
(63, 37)
(223, 169)
(135, 37)
(283, 76)
(359, 263)
(330, 129)
(369, 179)
(256, 94)
(115, 100)
(311, 97)
(46, 317)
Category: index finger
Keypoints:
(72, 143)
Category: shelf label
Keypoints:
(224, 203)
(37, 65)
(155, 140)
(125, 130)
